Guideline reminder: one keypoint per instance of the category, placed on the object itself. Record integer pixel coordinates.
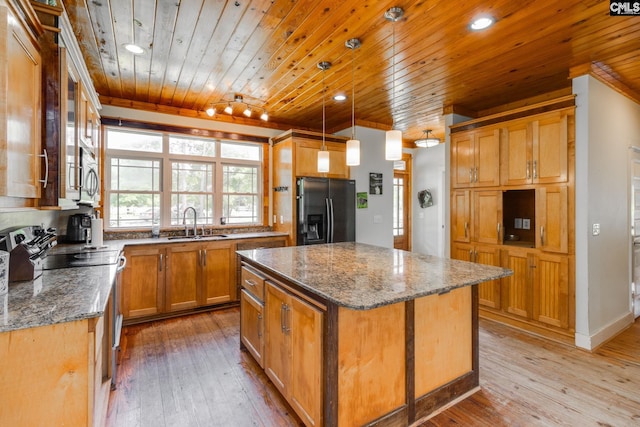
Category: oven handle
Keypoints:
(122, 263)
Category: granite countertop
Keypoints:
(362, 277)
(57, 296)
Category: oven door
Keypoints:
(89, 178)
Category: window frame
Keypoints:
(166, 159)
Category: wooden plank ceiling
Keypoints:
(202, 52)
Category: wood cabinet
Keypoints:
(294, 155)
(55, 375)
(20, 109)
(534, 150)
(183, 276)
(475, 158)
(252, 313)
(293, 351)
(143, 281)
(533, 201)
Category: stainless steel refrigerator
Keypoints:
(326, 210)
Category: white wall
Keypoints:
(607, 123)
(374, 225)
(429, 223)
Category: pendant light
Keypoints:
(353, 145)
(323, 154)
(393, 138)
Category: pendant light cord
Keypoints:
(353, 93)
(393, 76)
(323, 112)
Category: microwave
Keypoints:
(89, 178)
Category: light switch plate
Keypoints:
(526, 223)
(595, 229)
(518, 223)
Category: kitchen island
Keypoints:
(353, 334)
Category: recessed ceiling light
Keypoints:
(340, 97)
(134, 48)
(482, 22)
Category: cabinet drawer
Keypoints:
(253, 282)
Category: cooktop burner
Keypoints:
(81, 259)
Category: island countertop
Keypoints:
(363, 277)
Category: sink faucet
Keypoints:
(195, 221)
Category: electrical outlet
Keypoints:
(526, 223)
(595, 229)
(518, 223)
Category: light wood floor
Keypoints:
(189, 371)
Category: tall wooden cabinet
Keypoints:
(294, 154)
(518, 215)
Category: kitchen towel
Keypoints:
(96, 232)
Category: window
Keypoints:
(155, 176)
(398, 206)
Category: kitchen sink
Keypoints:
(212, 236)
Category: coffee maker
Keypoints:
(79, 228)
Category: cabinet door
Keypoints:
(462, 159)
(462, 252)
(306, 361)
(487, 208)
(307, 159)
(487, 158)
(183, 275)
(551, 290)
(277, 347)
(20, 106)
(517, 289)
(143, 282)
(252, 326)
(218, 273)
(552, 232)
(516, 145)
(550, 143)
(488, 292)
(461, 214)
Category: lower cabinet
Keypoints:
(55, 375)
(489, 294)
(252, 325)
(143, 281)
(293, 351)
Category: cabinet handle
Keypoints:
(259, 323)
(535, 169)
(498, 230)
(475, 174)
(542, 235)
(475, 256)
(528, 169)
(466, 230)
(250, 282)
(46, 167)
(470, 174)
(282, 314)
(204, 258)
(470, 255)
(200, 257)
(160, 263)
(287, 321)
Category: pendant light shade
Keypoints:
(323, 161)
(393, 139)
(393, 145)
(353, 145)
(323, 154)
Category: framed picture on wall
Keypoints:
(375, 183)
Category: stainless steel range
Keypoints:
(80, 259)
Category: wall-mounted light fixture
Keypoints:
(393, 137)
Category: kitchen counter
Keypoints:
(362, 277)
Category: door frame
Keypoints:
(634, 288)
(408, 177)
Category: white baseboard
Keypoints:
(604, 334)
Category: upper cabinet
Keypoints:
(307, 159)
(20, 108)
(534, 150)
(475, 158)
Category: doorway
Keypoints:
(634, 178)
(402, 203)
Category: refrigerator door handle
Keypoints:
(332, 218)
(328, 215)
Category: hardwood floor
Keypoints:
(189, 371)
